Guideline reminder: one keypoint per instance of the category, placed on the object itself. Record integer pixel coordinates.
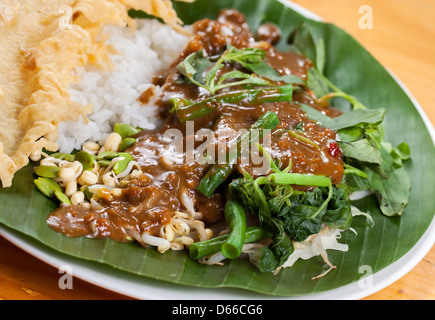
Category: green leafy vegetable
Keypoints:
(361, 133)
(393, 190)
(203, 71)
(362, 150)
(355, 118)
(354, 180)
(304, 42)
(289, 214)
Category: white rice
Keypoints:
(114, 94)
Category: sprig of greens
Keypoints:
(204, 71)
(370, 162)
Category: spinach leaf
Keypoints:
(258, 201)
(276, 254)
(303, 218)
(359, 130)
(303, 41)
(288, 214)
(194, 66)
(392, 191)
(354, 182)
(317, 83)
(361, 141)
(338, 213)
(263, 69)
(399, 154)
(355, 118)
(361, 150)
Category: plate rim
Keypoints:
(353, 291)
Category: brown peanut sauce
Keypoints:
(150, 200)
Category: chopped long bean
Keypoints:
(203, 249)
(220, 172)
(236, 219)
(214, 178)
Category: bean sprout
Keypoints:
(188, 203)
(214, 259)
(96, 205)
(127, 170)
(112, 163)
(94, 188)
(76, 176)
(198, 226)
(161, 244)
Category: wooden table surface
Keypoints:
(402, 39)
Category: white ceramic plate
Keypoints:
(143, 288)
(147, 289)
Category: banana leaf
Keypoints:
(347, 64)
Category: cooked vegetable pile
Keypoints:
(318, 158)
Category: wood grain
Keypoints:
(23, 277)
(402, 39)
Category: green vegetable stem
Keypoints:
(187, 111)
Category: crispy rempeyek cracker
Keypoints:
(41, 43)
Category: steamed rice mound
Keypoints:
(114, 94)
